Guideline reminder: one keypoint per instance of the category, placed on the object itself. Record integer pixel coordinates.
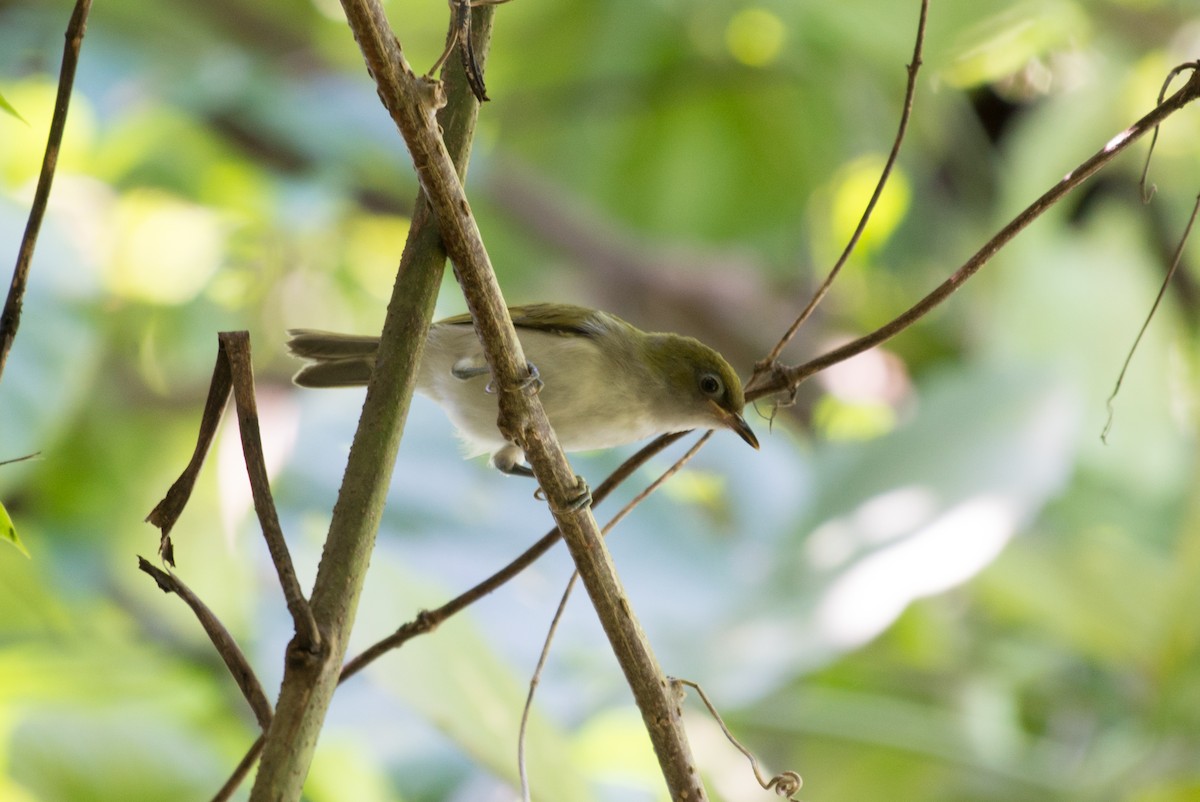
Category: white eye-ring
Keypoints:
(711, 384)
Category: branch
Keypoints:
(782, 379)
(10, 318)
(910, 91)
(224, 643)
(310, 678)
(429, 620)
(233, 371)
(522, 419)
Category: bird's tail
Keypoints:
(335, 360)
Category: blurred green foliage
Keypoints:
(933, 583)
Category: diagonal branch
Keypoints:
(310, 678)
(236, 347)
(522, 419)
(224, 643)
(910, 90)
(10, 318)
(782, 379)
(233, 371)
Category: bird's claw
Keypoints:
(532, 384)
(580, 500)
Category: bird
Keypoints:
(603, 382)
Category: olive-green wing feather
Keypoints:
(554, 318)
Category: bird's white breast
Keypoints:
(600, 406)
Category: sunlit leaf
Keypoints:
(7, 107)
(8, 531)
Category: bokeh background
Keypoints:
(934, 582)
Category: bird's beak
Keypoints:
(736, 422)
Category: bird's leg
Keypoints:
(466, 369)
(581, 498)
(532, 383)
(510, 460)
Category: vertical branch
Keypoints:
(235, 345)
(522, 418)
(311, 677)
(10, 318)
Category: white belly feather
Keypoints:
(597, 408)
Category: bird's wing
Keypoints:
(553, 318)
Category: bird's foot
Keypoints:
(580, 499)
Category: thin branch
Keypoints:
(240, 771)
(909, 94)
(1162, 291)
(1148, 191)
(233, 372)
(166, 513)
(20, 459)
(787, 784)
(562, 604)
(236, 346)
(784, 379)
(226, 646)
(522, 770)
(522, 419)
(10, 318)
(428, 620)
(310, 678)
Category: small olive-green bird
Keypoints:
(604, 382)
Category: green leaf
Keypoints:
(8, 107)
(9, 532)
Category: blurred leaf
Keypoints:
(7, 107)
(8, 531)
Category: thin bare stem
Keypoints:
(909, 95)
(226, 646)
(10, 318)
(781, 379)
(562, 604)
(787, 784)
(1162, 291)
(533, 683)
(240, 771)
(236, 346)
(1149, 190)
(428, 620)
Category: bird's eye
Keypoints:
(711, 384)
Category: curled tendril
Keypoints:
(1148, 191)
(786, 785)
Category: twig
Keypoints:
(166, 513)
(10, 318)
(522, 771)
(310, 679)
(240, 771)
(1148, 192)
(428, 620)
(522, 419)
(1162, 291)
(224, 643)
(562, 604)
(21, 458)
(236, 346)
(783, 379)
(787, 784)
(764, 367)
(233, 372)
